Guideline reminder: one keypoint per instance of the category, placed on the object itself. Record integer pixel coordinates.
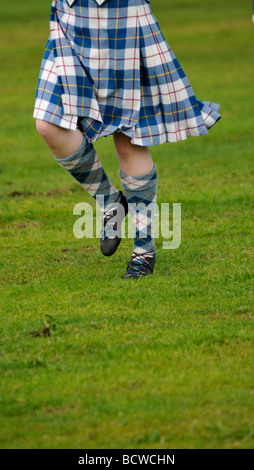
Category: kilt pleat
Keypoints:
(108, 67)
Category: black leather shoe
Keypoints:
(111, 225)
(140, 265)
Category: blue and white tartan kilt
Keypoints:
(108, 67)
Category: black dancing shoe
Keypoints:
(111, 225)
(140, 265)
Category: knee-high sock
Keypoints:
(85, 166)
(141, 193)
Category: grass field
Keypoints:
(165, 362)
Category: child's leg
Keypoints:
(76, 155)
(73, 153)
(61, 142)
(134, 160)
(139, 180)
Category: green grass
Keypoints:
(165, 362)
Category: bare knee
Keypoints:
(46, 130)
(62, 142)
(52, 135)
(123, 145)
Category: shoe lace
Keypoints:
(109, 225)
(139, 263)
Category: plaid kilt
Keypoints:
(107, 67)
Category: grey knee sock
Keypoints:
(85, 166)
(141, 193)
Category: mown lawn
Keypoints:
(164, 362)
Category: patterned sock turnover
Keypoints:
(85, 166)
(141, 193)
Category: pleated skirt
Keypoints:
(108, 68)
